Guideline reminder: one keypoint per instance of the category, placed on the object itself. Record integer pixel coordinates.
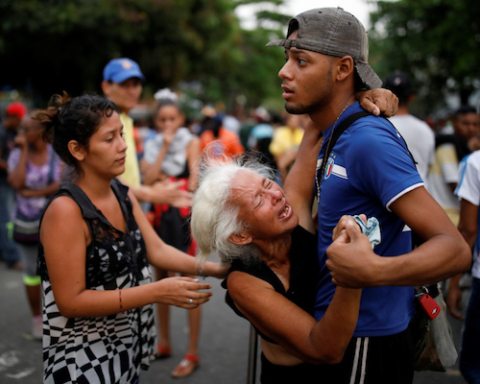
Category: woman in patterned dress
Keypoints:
(96, 247)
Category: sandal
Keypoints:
(163, 352)
(189, 363)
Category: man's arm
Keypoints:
(164, 192)
(468, 228)
(444, 252)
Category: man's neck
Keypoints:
(326, 116)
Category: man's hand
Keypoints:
(164, 192)
(170, 193)
(351, 260)
(378, 101)
(454, 298)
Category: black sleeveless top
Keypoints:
(303, 273)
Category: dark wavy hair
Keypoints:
(76, 118)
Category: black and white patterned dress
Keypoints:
(109, 349)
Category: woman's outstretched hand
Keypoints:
(184, 292)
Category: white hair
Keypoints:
(214, 217)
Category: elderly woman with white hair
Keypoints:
(267, 236)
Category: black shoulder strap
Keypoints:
(121, 191)
(89, 211)
(86, 206)
(337, 132)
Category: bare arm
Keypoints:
(47, 191)
(300, 180)
(16, 177)
(151, 171)
(443, 253)
(193, 157)
(65, 255)
(468, 228)
(163, 192)
(322, 341)
(167, 257)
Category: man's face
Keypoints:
(307, 80)
(125, 94)
(467, 125)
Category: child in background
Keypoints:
(173, 154)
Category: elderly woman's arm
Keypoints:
(323, 341)
(299, 183)
(164, 256)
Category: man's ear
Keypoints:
(76, 150)
(243, 238)
(345, 67)
(106, 88)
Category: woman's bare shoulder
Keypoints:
(63, 208)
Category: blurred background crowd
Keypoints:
(191, 70)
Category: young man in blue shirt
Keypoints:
(369, 171)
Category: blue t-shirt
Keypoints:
(368, 169)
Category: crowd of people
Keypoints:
(283, 199)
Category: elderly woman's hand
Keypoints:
(342, 223)
(378, 101)
(351, 260)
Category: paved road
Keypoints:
(223, 350)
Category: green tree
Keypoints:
(436, 41)
(53, 45)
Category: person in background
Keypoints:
(34, 172)
(96, 281)
(367, 170)
(285, 142)
(450, 150)
(14, 113)
(418, 135)
(261, 137)
(174, 154)
(217, 140)
(468, 190)
(123, 84)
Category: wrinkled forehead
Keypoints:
(244, 184)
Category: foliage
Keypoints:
(53, 45)
(435, 41)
